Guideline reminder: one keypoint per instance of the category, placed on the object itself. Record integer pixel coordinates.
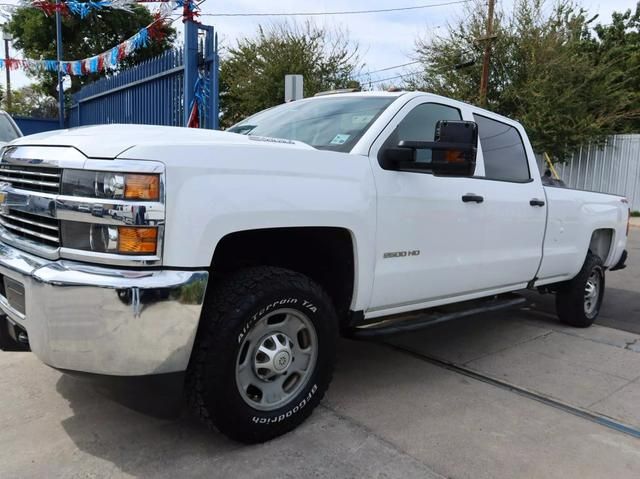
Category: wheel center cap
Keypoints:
(281, 361)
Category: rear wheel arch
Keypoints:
(601, 243)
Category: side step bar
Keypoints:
(405, 323)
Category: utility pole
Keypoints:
(7, 37)
(486, 60)
(59, 58)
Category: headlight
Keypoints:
(110, 185)
(126, 240)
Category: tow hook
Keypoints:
(12, 336)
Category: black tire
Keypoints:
(233, 307)
(571, 303)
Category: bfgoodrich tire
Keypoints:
(264, 355)
(578, 301)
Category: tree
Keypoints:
(31, 101)
(34, 35)
(548, 71)
(252, 73)
(618, 43)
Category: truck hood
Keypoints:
(109, 141)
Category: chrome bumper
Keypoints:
(103, 320)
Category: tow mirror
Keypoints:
(453, 153)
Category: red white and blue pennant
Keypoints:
(108, 60)
(83, 8)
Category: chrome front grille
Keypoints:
(32, 178)
(41, 229)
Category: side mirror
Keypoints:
(453, 153)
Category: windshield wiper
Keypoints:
(242, 129)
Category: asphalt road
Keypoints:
(394, 410)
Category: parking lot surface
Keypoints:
(505, 395)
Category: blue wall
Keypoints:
(29, 126)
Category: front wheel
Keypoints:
(578, 301)
(265, 353)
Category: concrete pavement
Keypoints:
(389, 414)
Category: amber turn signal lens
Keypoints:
(132, 240)
(142, 187)
(454, 156)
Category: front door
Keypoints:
(430, 237)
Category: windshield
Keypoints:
(334, 123)
(7, 130)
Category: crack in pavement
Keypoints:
(394, 447)
(629, 345)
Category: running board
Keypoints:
(405, 324)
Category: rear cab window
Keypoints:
(505, 157)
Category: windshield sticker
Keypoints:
(340, 139)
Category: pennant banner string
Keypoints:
(108, 60)
(83, 8)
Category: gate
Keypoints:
(158, 91)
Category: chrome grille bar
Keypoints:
(35, 227)
(30, 173)
(30, 222)
(31, 178)
(14, 180)
(28, 232)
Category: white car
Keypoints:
(244, 254)
(9, 131)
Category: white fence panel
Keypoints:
(614, 168)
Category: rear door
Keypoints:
(515, 205)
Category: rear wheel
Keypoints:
(265, 354)
(578, 301)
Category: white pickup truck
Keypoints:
(229, 262)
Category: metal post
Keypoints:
(190, 62)
(215, 93)
(59, 58)
(6, 55)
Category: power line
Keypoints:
(387, 68)
(390, 78)
(342, 12)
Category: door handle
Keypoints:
(471, 198)
(536, 202)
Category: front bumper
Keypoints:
(103, 320)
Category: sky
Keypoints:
(384, 39)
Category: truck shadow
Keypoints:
(620, 308)
(137, 444)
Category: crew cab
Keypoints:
(229, 262)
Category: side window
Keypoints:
(420, 125)
(504, 154)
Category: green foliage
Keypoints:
(34, 34)
(32, 101)
(635, 214)
(569, 84)
(252, 73)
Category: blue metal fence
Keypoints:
(149, 93)
(29, 126)
(158, 91)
